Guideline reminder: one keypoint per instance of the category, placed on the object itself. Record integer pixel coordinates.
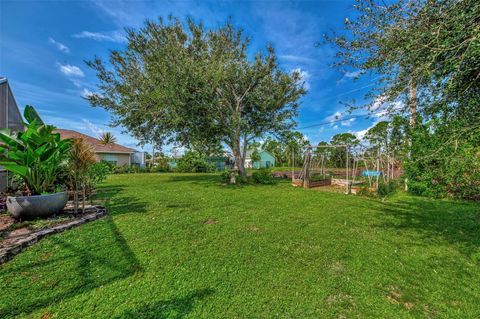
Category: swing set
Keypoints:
(324, 165)
(338, 166)
(375, 168)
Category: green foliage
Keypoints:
(81, 159)
(225, 176)
(122, 169)
(444, 163)
(287, 148)
(395, 42)
(194, 162)
(98, 173)
(200, 88)
(365, 191)
(425, 56)
(386, 189)
(111, 167)
(36, 154)
(254, 147)
(262, 176)
(107, 138)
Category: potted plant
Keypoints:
(36, 155)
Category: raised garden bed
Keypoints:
(322, 182)
(16, 236)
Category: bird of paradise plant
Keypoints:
(35, 154)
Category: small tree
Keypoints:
(82, 158)
(339, 155)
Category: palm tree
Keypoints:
(108, 138)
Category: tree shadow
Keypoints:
(454, 222)
(117, 203)
(65, 266)
(200, 179)
(174, 308)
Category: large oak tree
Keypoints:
(197, 87)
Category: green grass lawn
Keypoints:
(185, 246)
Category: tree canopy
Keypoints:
(197, 87)
(424, 55)
(424, 59)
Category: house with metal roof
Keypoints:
(10, 117)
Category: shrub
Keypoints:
(365, 191)
(122, 169)
(194, 162)
(225, 176)
(262, 176)
(385, 189)
(98, 173)
(111, 167)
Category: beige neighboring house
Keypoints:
(115, 154)
(10, 118)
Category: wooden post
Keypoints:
(293, 164)
(306, 178)
(348, 167)
(378, 168)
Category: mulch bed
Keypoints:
(16, 236)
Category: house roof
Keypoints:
(95, 143)
(10, 116)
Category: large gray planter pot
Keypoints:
(30, 207)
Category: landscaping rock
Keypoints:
(21, 238)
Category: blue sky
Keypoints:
(43, 46)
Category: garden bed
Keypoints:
(16, 236)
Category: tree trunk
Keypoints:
(83, 199)
(412, 104)
(240, 163)
(75, 200)
(153, 155)
(412, 101)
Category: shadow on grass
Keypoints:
(175, 308)
(457, 223)
(117, 203)
(207, 179)
(65, 266)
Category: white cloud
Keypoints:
(113, 36)
(86, 93)
(60, 46)
(350, 75)
(304, 76)
(353, 74)
(348, 122)
(335, 127)
(295, 58)
(382, 108)
(94, 129)
(70, 70)
(361, 134)
(334, 117)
